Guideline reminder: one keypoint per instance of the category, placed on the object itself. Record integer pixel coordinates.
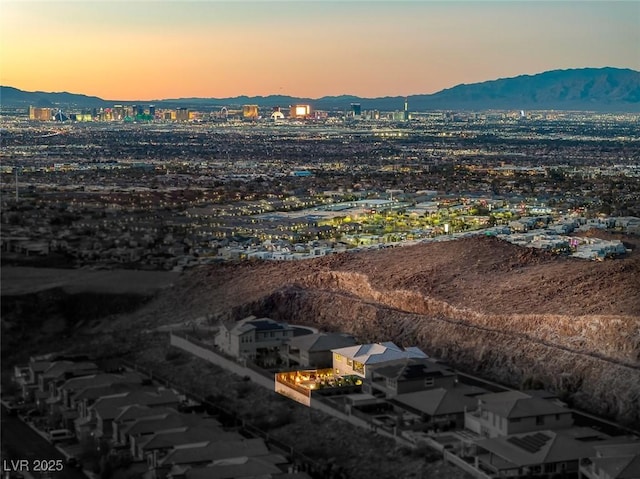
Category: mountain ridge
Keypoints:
(591, 89)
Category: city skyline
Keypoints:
(153, 50)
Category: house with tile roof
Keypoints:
(68, 389)
(314, 350)
(73, 396)
(513, 412)
(132, 413)
(409, 375)
(257, 339)
(141, 430)
(159, 445)
(107, 408)
(531, 454)
(436, 408)
(574, 452)
(26, 376)
(237, 468)
(60, 371)
(227, 448)
(613, 461)
(86, 397)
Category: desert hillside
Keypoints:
(509, 313)
(483, 275)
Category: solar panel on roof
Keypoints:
(540, 438)
(523, 444)
(532, 443)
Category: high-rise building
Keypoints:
(356, 111)
(118, 112)
(41, 114)
(182, 114)
(152, 110)
(300, 111)
(250, 112)
(406, 109)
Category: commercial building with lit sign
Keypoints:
(300, 111)
(41, 114)
(250, 112)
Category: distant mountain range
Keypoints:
(588, 89)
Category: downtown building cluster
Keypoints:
(247, 112)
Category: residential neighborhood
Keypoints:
(179, 195)
(126, 420)
(399, 392)
(494, 434)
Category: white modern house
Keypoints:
(362, 359)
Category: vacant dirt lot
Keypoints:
(25, 280)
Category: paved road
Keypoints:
(22, 442)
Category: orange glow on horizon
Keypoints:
(127, 51)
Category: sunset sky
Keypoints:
(146, 50)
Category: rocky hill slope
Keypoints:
(581, 89)
(507, 313)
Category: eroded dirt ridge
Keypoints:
(615, 338)
(511, 314)
(593, 360)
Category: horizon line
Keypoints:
(321, 97)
